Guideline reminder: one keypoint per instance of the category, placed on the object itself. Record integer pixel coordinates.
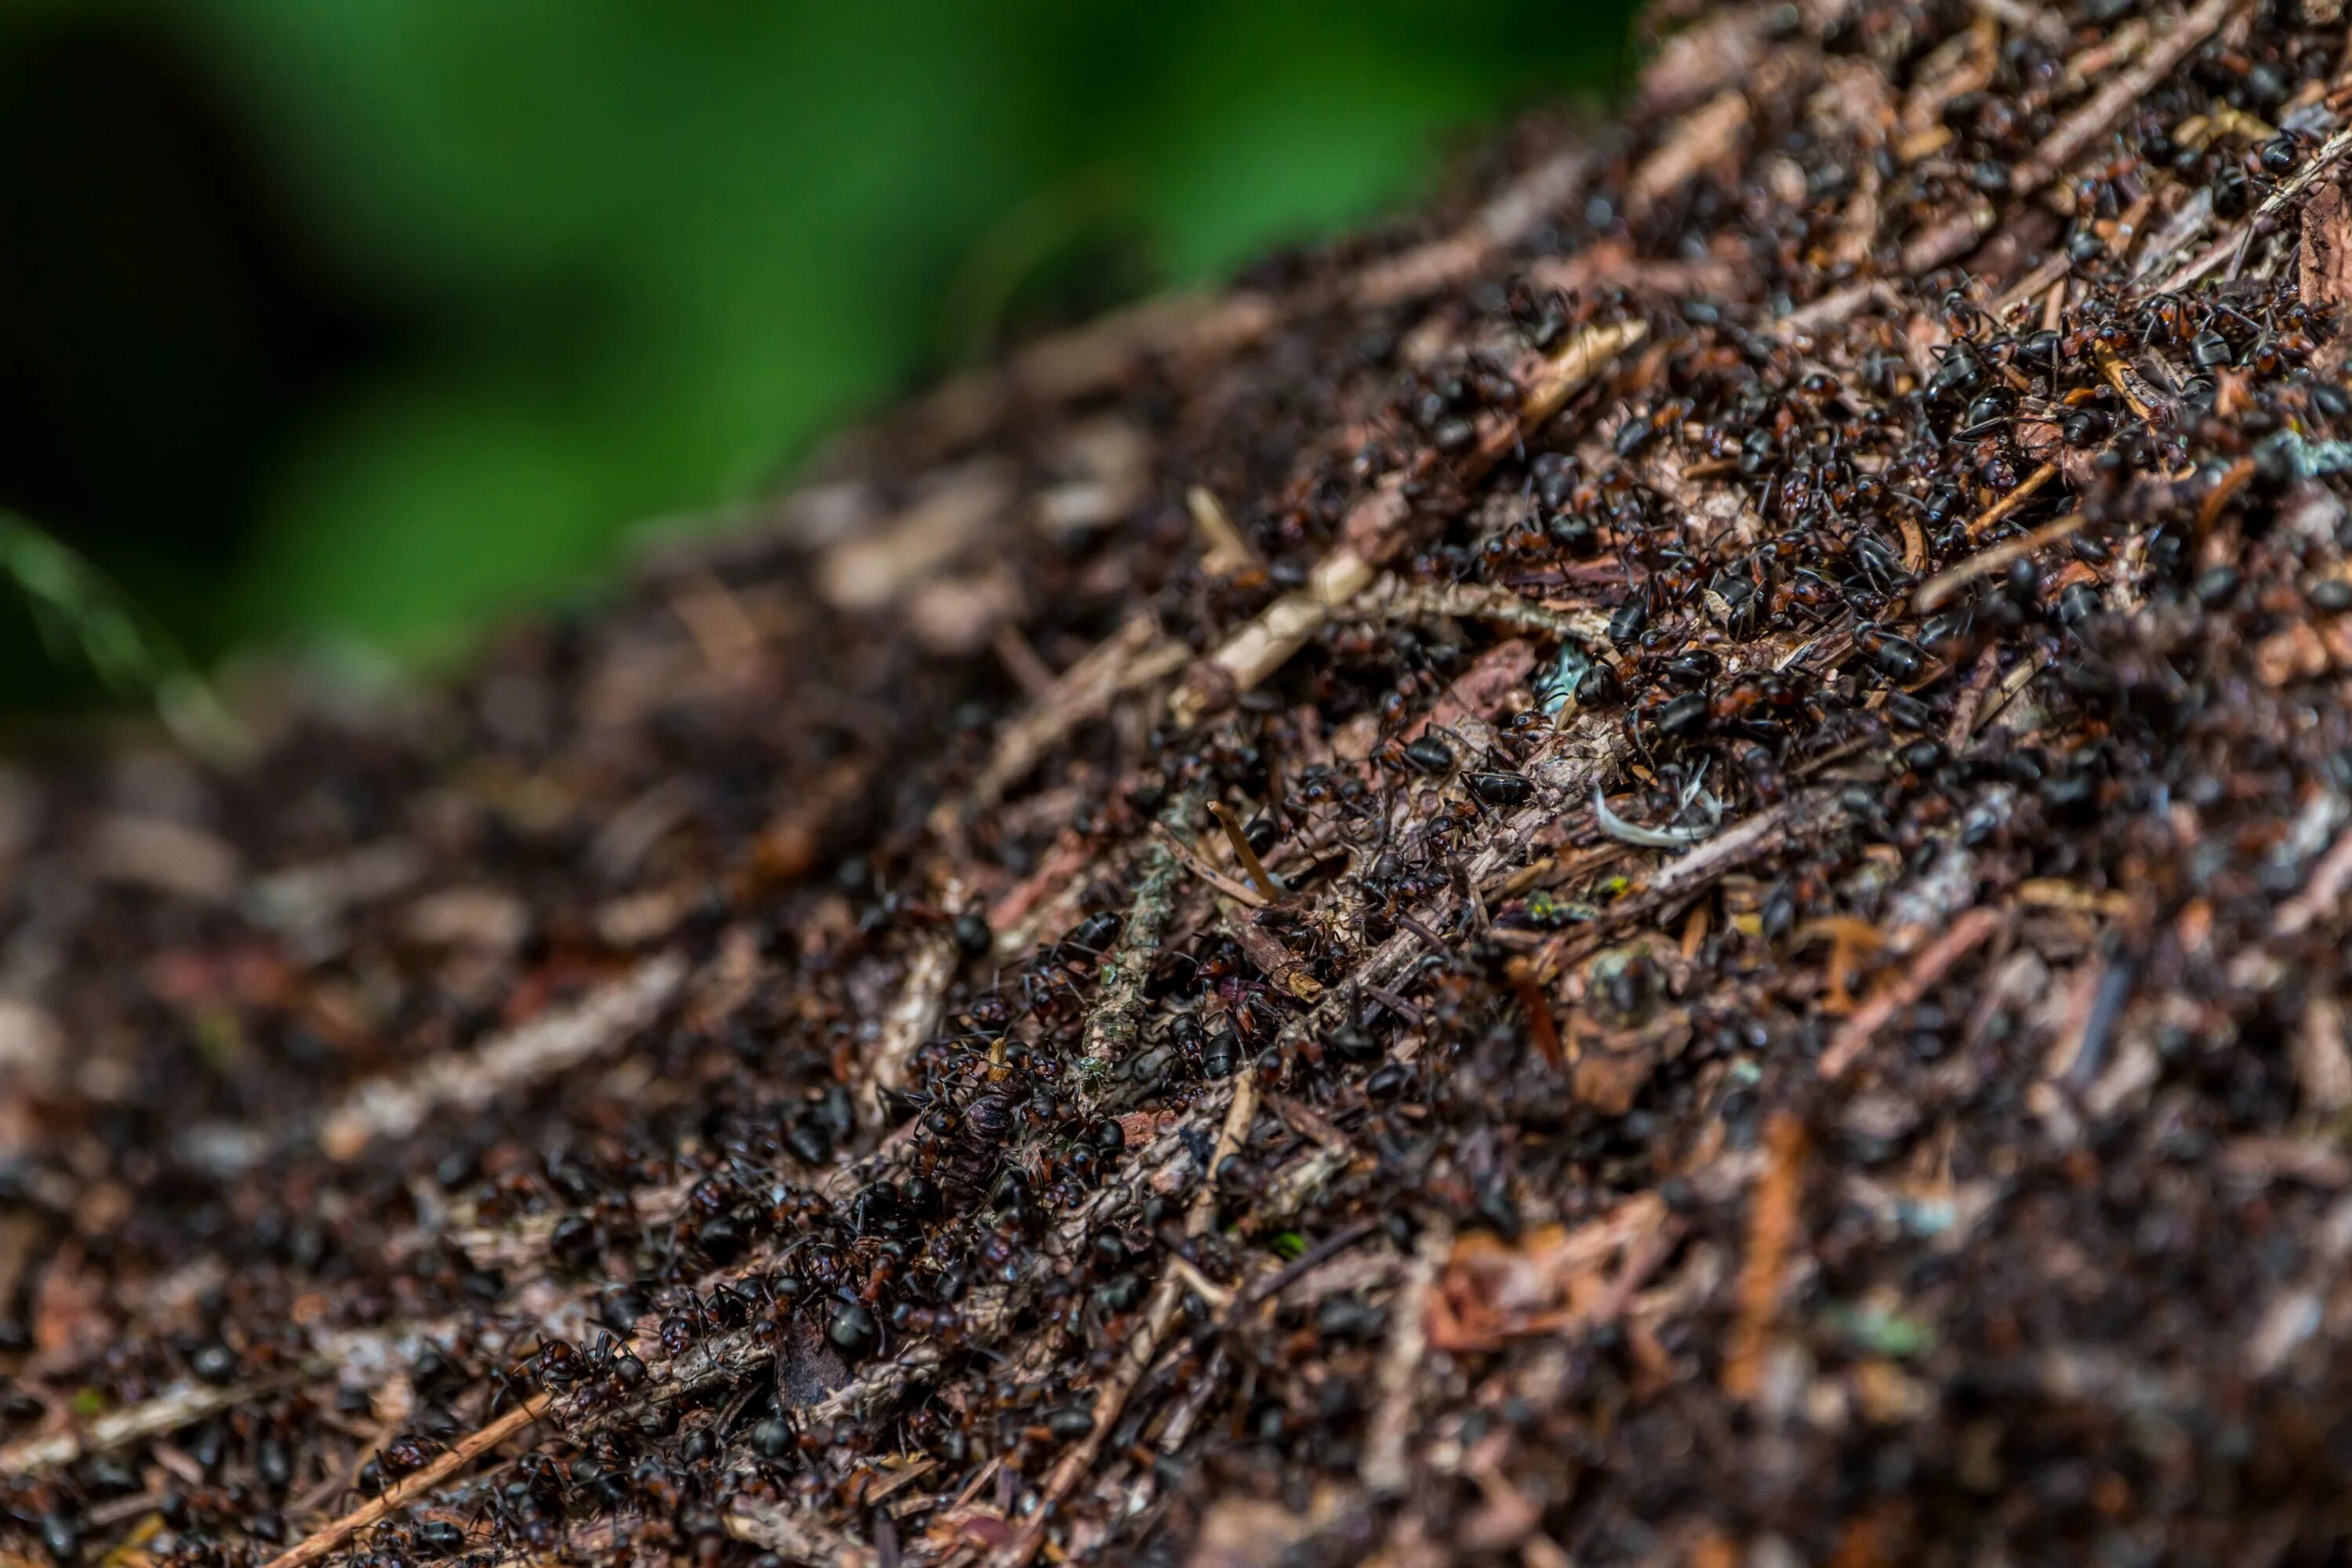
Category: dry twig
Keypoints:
(1934, 961)
(1267, 644)
(1774, 1219)
(326, 1539)
(1985, 563)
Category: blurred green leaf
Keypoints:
(656, 246)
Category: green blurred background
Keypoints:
(359, 321)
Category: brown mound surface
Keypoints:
(1651, 869)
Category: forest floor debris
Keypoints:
(1666, 880)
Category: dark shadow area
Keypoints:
(166, 326)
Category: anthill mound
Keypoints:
(1650, 869)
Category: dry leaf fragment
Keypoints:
(2327, 271)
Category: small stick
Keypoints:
(2051, 270)
(786, 1532)
(1228, 552)
(2233, 479)
(1507, 218)
(2014, 498)
(1282, 627)
(1262, 879)
(544, 1049)
(167, 1412)
(2176, 232)
(2110, 51)
(1397, 1004)
(1947, 239)
(1313, 1125)
(329, 1536)
(2056, 893)
(2106, 987)
(1111, 1028)
(922, 997)
(1915, 544)
(1238, 1117)
(1972, 699)
(1240, 893)
(1561, 376)
(1298, 1268)
(1167, 1299)
(2234, 242)
(1854, 1035)
(1034, 676)
(877, 1386)
(1774, 1216)
(1759, 834)
(1498, 607)
(1280, 965)
(2014, 683)
(1289, 1190)
(2112, 366)
(1384, 1470)
(2128, 225)
(1539, 1008)
(2317, 899)
(1704, 136)
(1833, 308)
(1134, 656)
(1199, 1284)
(1942, 585)
(1195, 1399)
(2081, 129)
(1694, 931)
(1429, 938)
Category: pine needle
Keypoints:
(83, 617)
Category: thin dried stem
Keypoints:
(540, 1050)
(1934, 961)
(2000, 509)
(1385, 1470)
(1985, 563)
(1167, 1298)
(1224, 549)
(1111, 1029)
(794, 1536)
(922, 997)
(1267, 644)
(409, 1488)
(1497, 606)
(168, 1412)
(1133, 656)
(1240, 893)
(1260, 878)
(1774, 1217)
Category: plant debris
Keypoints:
(1650, 868)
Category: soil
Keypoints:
(1649, 869)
